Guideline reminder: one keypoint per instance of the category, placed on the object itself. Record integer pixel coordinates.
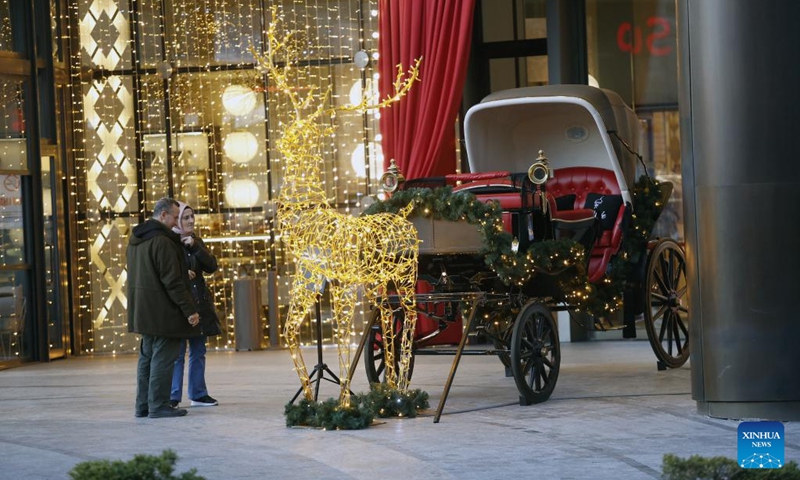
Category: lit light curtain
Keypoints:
(419, 131)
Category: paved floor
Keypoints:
(612, 415)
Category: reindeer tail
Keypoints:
(408, 209)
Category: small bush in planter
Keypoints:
(721, 468)
(142, 467)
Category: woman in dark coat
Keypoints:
(200, 261)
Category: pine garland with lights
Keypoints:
(382, 401)
(330, 415)
(387, 401)
(606, 296)
(565, 258)
(513, 267)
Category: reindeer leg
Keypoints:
(406, 289)
(343, 306)
(302, 298)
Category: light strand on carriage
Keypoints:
(565, 259)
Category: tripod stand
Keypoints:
(318, 373)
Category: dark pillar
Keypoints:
(566, 42)
(739, 105)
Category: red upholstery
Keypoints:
(582, 181)
(508, 200)
(426, 325)
(571, 215)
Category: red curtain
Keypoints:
(419, 131)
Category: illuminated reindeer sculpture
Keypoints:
(348, 252)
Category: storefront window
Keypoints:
(13, 162)
(632, 50)
(5, 27)
(514, 34)
(13, 272)
(197, 120)
(12, 315)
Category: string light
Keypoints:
(196, 50)
(324, 244)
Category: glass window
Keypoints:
(221, 123)
(12, 315)
(208, 33)
(13, 163)
(11, 232)
(498, 21)
(632, 49)
(13, 154)
(5, 27)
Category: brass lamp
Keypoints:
(540, 171)
(392, 179)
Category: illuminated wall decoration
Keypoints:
(140, 97)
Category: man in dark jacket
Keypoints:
(160, 307)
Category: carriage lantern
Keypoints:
(392, 179)
(540, 171)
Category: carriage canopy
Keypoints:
(570, 123)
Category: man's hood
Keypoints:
(147, 230)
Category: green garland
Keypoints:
(382, 401)
(565, 259)
(388, 401)
(329, 415)
(607, 296)
(513, 267)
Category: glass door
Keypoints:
(55, 253)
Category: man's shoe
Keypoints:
(174, 403)
(140, 414)
(205, 401)
(165, 412)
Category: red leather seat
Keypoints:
(492, 186)
(581, 182)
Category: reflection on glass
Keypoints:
(5, 27)
(213, 33)
(664, 136)
(12, 315)
(12, 125)
(54, 320)
(11, 233)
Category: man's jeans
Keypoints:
(154, 373)
(197, 369)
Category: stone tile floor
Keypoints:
(612, 415)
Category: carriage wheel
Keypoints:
(374, 358)
(666, 305)
(535, 353)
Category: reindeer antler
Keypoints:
(403, 82)
(282, 46)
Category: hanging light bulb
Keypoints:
(239, 100)
(358, 160)
(242, 193)
(241, 147)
